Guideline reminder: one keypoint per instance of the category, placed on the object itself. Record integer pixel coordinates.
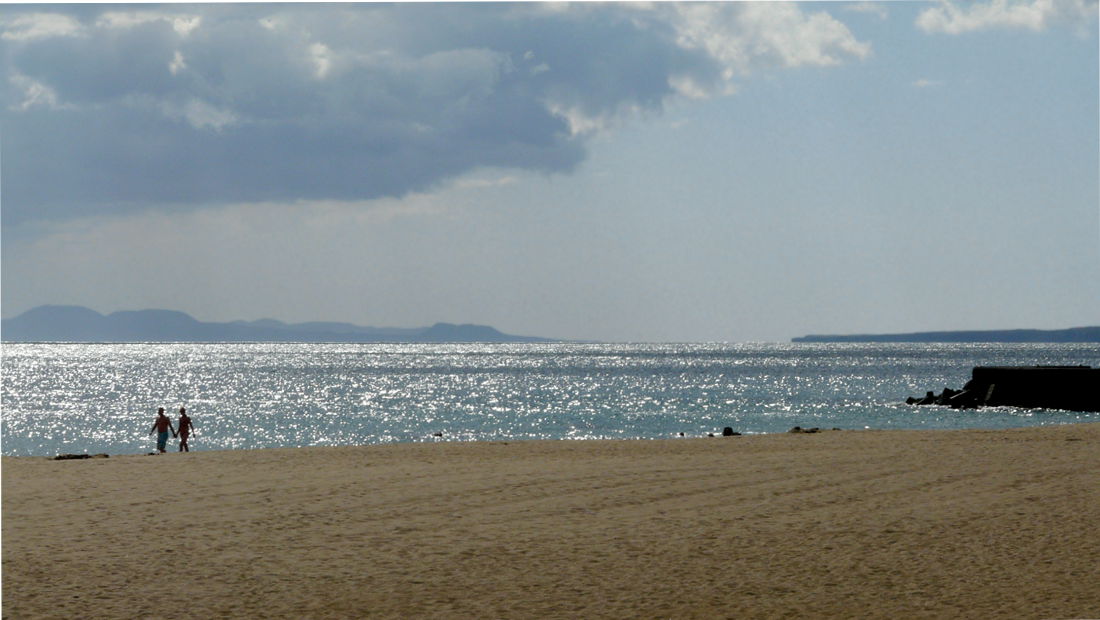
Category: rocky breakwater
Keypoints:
(1072, 388)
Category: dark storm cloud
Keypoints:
(117, 108)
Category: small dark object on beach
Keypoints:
(799, 429)
(69, 457)
(728, 432)
(795, 429)
(437, 434)
(710, 434)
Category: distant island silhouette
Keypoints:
(80, 324)
(1073, 334)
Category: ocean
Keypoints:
(102, 398)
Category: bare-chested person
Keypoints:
(162, 426)
(185, 430)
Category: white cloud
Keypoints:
(321, 56)
(177, 63)
(688, 87)
(349, 102)
(182, 24)
(481, 183)
(878, 9)
(1034, 15)
(185, 24)
(39, 26)
(34, 93)
(200, 114)
(747, 36)
(579, 122)
(203, 115)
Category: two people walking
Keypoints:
(163, 425)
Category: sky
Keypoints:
(658, 172)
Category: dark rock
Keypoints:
(796, 429)
(946, 396)
(929, 399)
(1047, 387)
(966, 399)
(101, 456)
(1036, 387)
(69, 457)
(728, 432)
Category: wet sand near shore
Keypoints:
(841, 524)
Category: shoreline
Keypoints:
(867, 523)
(441, 440)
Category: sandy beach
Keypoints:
(872, 524)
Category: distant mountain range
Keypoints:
(79, 324)
(1074, 334)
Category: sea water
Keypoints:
(75, 398)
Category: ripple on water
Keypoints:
(102, 398)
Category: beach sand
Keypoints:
(871, 524)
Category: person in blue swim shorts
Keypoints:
(162, 426)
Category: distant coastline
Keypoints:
(1073, 334)
(80, 324)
